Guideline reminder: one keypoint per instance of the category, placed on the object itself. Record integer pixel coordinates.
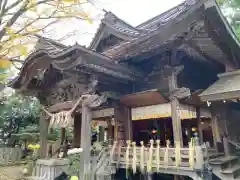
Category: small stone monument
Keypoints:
(51, 168)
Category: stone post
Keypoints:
(44, 123)
(50, 168)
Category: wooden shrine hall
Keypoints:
(143, 81)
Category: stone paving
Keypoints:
(10, 173)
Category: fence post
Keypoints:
(166, 153)
(150, 157)
(134, 157)
(178, 154)
(158, 155)
(142, 159)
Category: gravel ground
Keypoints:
(10, 173)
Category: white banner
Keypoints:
(162, 111)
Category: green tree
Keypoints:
(18, 114)
(231, 9)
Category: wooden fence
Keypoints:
(156, 157)
(10, 155)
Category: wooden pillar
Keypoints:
(86, 134)
(215, 129)
(224, 129)
(62, 135)
(77, 131)
(101, 133)
(124, 122)
(176, 121)
(128, 123)
(110, 131)
(200, 131)
(43, 124)
(220, 127)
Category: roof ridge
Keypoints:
(52, 41)
(159, 16)
(121, 20)
(109, 21)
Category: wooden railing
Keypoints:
(155, 157)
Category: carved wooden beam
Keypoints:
(180, 93)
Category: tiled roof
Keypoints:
(149, 40)
(120, 25)
(219, 42)
(113, 23)
(163, 18)
(65, 57)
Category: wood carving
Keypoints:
(88, 98)
(94, 101)
(69, 91)
(180, 93)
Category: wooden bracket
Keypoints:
(172, 70)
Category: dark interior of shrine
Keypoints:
(198, 73)
(161, 129)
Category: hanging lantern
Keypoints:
(113, 121)
(154, 131)
(194, 129)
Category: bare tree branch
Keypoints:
(13, 19)
(3, 7)
(21, 10)
(15, 66)
(11, 6)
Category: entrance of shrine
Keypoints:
(161, 129)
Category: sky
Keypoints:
(133, 12)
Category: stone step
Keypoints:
(215, 155)
(210, 150)
(233, 171)
(224, 162)
(211, 156)
(34, 178)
